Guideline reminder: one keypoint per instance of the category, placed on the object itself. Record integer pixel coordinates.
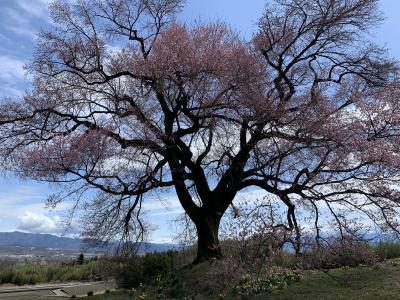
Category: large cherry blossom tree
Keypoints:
(127, 101)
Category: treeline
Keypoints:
(34, 272)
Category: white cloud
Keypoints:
(18, 197)
(11, 68)
(36, 8)
(163, 239)
(40, 223)
(25, 17)
(18, 23)
(12, 76)
(160, 201)
(10, 91)
(168, 211)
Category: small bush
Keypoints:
(285, 260)
(155, 264)
(129, 273)
(338, 253)
(177, 290)
(387, 250)
(276, 278)
(90, 293)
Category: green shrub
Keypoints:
(30, 273)
(387, 250)
(6, 264)
(285, 260)
(276, 278)
(128, 274)
(177, 290)
(339, 252)
(155, 264)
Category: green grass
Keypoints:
(355, 283)
(358, 283)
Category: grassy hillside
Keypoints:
(364, 283)
(350, 270)
(378, 283)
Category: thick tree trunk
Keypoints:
(208, 246)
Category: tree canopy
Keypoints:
(127, 101)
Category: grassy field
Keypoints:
(381, 282)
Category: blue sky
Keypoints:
(22, 202)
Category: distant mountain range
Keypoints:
(43, 241)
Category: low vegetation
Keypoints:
(33, 272)
(342, 268)
(8, 263)
(387, 250)
(357, 283)
(346, 270)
